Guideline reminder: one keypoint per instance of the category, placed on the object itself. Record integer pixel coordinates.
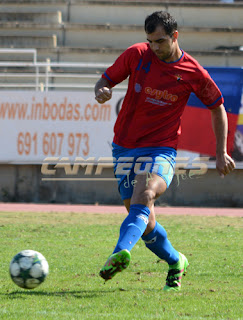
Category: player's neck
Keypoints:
(176, 55)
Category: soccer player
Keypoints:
(161, 79)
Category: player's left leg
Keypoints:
(158, 242)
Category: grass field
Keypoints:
(77, 245)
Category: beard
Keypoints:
(164, 55)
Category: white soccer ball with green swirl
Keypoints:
(28, 269)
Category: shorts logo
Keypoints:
(158, 94)
(142, 217)
(138, 87)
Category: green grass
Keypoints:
(77, 245)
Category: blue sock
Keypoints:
(158, 243)
(132, 227)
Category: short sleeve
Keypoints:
(207, 90)
(121, 68)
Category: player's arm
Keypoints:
(103, 91)
(224, 163)
(116, 73)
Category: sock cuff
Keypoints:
(141, 208)
(151, 234)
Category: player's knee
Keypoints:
(145, 197)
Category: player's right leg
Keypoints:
(120, 258)
(116, 262)
(131, 231)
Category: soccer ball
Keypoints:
(28, 269)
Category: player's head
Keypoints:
(163, 19)
(162, 34)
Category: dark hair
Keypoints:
(160, 18)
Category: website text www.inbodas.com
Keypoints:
(46, 110)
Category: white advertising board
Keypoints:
(36, 125)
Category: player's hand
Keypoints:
(103, 94)
(224, 164)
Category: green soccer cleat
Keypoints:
(173, 280)
(116, 262)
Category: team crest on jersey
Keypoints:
(138, 87)
(178, 77)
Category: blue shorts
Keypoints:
(130, 162)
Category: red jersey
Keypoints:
(157, 95)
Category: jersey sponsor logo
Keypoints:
(159, 94)
(157, 102)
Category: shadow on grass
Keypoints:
(77, 294)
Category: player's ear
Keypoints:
(175, 35)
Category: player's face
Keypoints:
(162, 44)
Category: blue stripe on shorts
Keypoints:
(130, 162)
